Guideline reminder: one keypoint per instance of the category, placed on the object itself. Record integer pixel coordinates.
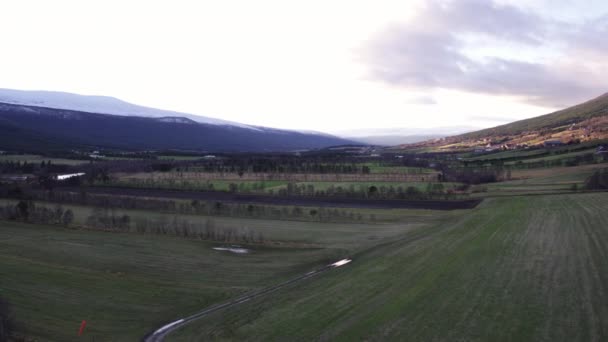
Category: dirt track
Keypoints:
(276, 200)
(159, 334)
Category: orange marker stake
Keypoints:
(82, 325)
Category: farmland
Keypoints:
(137, 250)
(515, 269)
(127, 283)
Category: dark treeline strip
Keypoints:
(598, 180)
(521, 163)
(107, 219)
(235, 198)
(14, 167)
(27, 211)
(388, 192)
(197, 207)
(468, 175)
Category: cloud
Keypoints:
(441, 48)
(487, 118)
(422, 100)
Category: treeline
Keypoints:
(433, 190)
(474, 175)
(108, 220)
(205, 208)
(384, 192)
(277, 166)
(20, 167)
(521, 163)
(27, 211)
(270, 163)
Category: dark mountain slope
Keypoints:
(28, 126)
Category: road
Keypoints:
(160, 333)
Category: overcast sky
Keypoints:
(321, 65)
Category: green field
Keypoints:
(192, 184)
(556, 175)
(379, 168)
(125, 284)
(558, 156)
(516, 269)
(512, 154)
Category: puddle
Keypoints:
(233, 249)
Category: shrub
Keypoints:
(6, 320)
(598, 180)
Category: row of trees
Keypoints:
(15, 166)
(598, 180)
(520, 163)
(206, 208)
(27, 211)
(432, 191)
(475, 175)
(108, 219)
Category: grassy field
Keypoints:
(178, 157)
(125, 284)
(192, 184)
(518, 154)
(345, 236)
(37, 159)
(378, 168)
(516, 269)
(552, 157)
(556, 175)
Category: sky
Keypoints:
(333, 66)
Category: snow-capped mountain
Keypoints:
(100, 104)
(32, 120)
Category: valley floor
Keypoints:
(515, 269)
(525, 268)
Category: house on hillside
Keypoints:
(553, 143)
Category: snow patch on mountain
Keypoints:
(101, 105)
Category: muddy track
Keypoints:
(277, 200)
(160, 333)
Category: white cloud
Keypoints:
(268, 62)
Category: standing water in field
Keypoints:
(233, 249)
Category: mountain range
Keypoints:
(56, 120)
(35, 120)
